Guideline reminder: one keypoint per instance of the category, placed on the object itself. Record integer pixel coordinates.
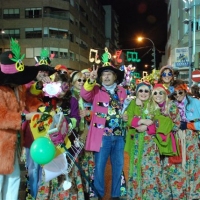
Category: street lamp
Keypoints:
(154, 49)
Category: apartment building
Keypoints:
(67, 28)
(183, 37)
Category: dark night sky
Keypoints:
(142, 17)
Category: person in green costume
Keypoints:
(145, 179)
(169, 145)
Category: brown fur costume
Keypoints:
(10, 117)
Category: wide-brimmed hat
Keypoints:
(119, 73)
(13, 70)
(27, 75)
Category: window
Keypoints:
(32, 52)
(71, 19)
(14, 33)
(11, 14)
(54, 51)
(33, 12)
(71, 37)
(33, 32)
(63, 53)
(71, 55)
(56, 33)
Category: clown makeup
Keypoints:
(143, 93)
(167, 76)
(179, 95)
(159, 95)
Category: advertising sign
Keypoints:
(182, 57)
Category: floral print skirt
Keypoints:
(184, 181)
(150, 184)
(53, 190)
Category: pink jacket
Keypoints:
(99, 97)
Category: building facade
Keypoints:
(183, 37)
(67, 28)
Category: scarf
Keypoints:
(110, 88)
(162, 106)
(140, 145)
(76, 94)
(181, 107)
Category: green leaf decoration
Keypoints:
(44, 54)
(15, 48)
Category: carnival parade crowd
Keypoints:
(66, 124)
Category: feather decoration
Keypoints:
(15, 48)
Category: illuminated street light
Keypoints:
(154, 49)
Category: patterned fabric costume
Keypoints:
(146, 180)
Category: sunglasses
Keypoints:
(146, 91)
(156, 93)
(79, 80)
(166, 74)
(180, 93)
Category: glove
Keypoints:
(183, 125)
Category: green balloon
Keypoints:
(42, 150)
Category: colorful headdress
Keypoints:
(13, 71)
(158, 85)
(182, 86)
(43, 59)
(142, 84)
(11, 61)
(108, 67)
(61, 68)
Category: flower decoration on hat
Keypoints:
(16, 56)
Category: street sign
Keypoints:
(196, 76)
